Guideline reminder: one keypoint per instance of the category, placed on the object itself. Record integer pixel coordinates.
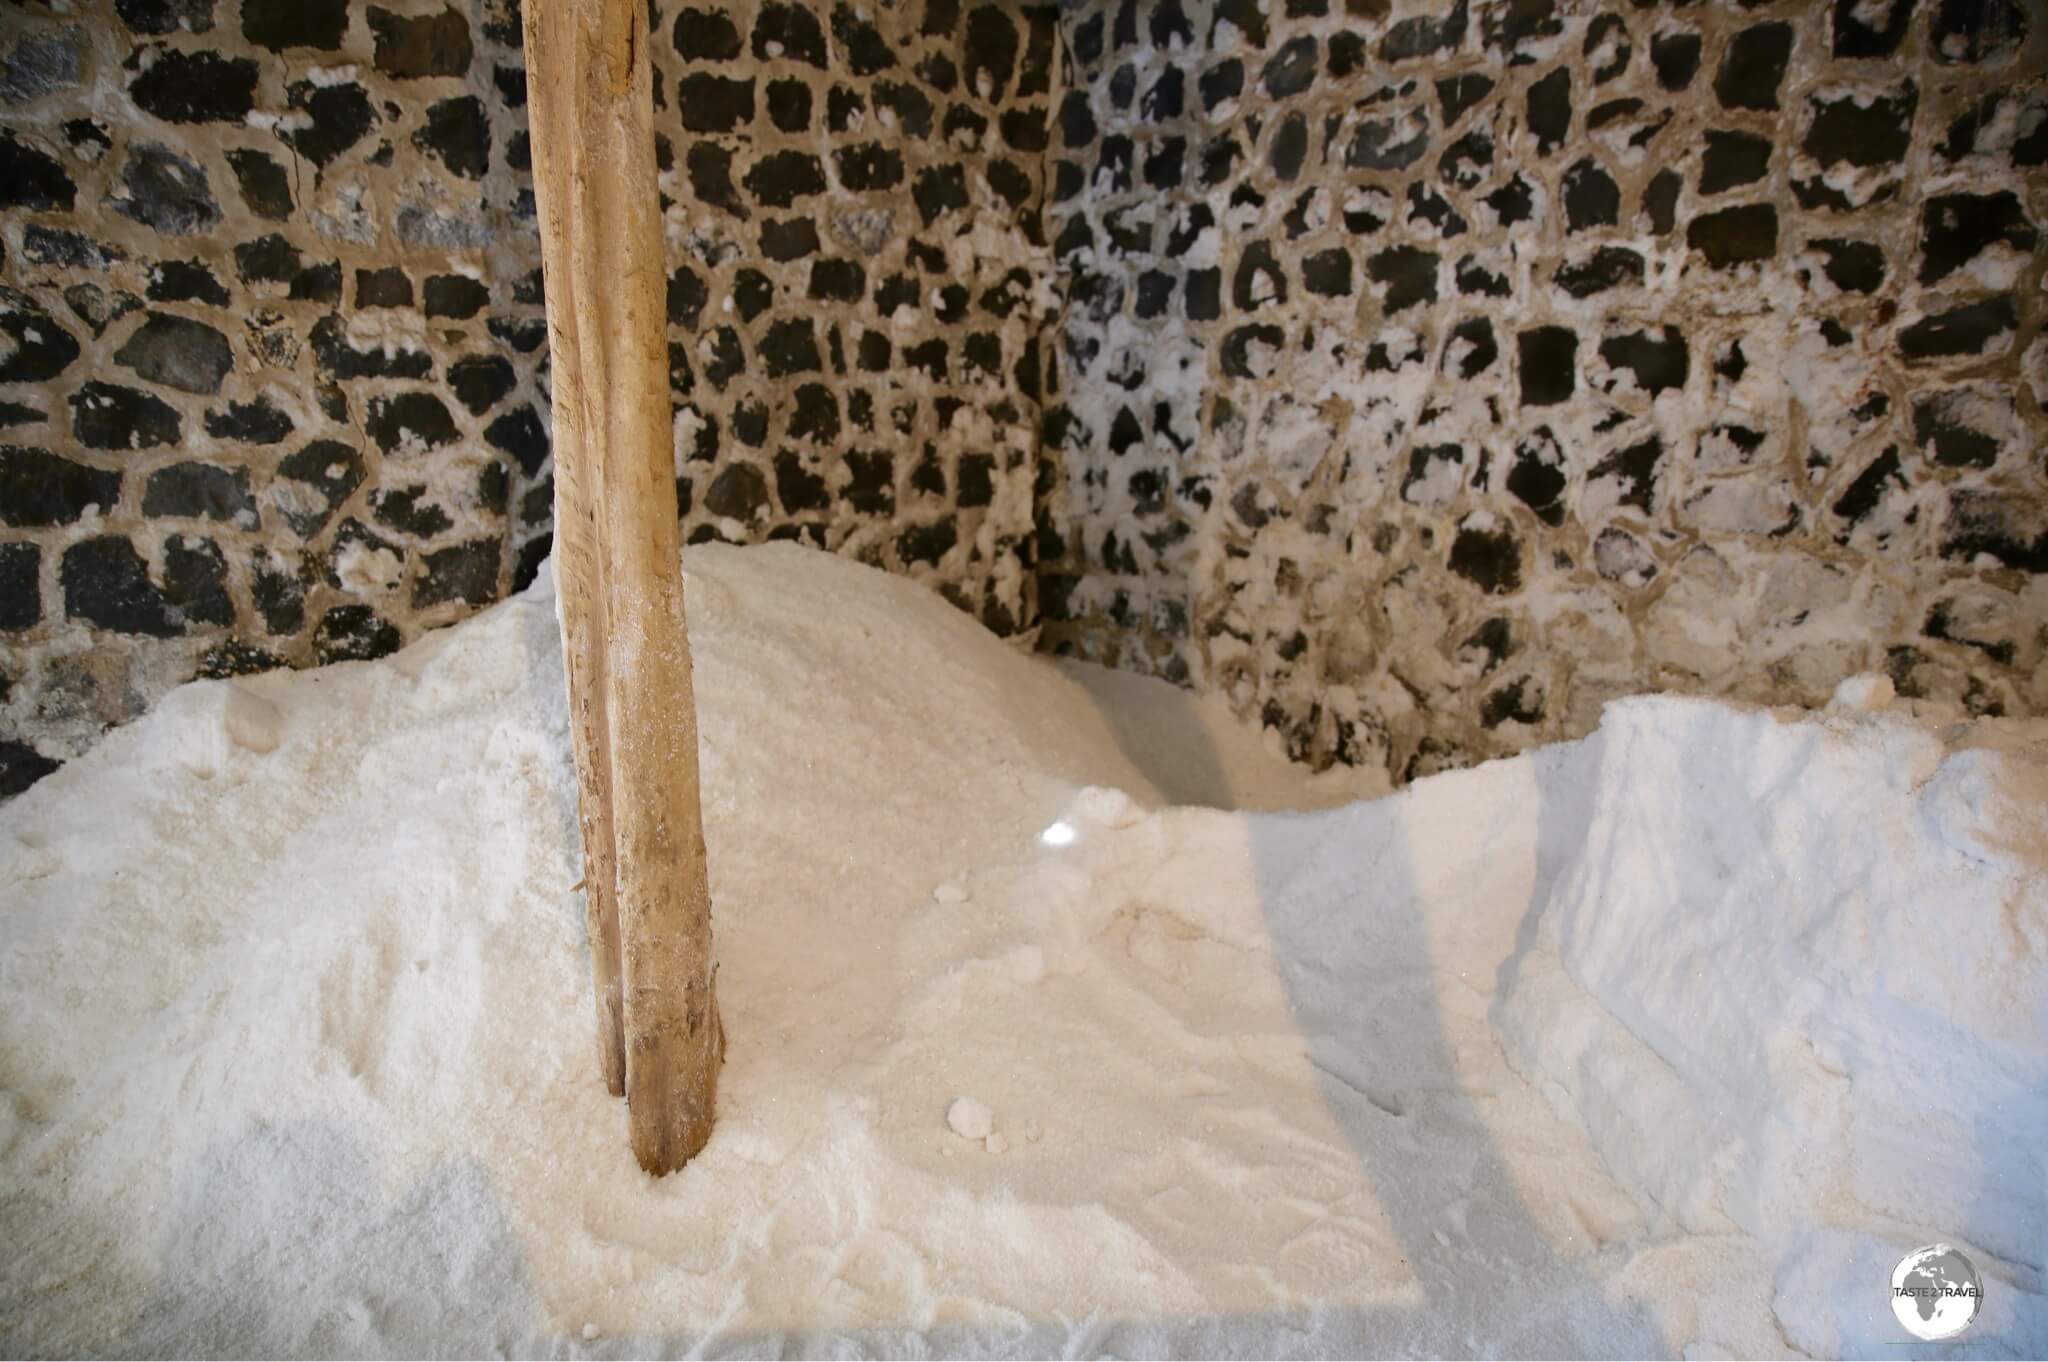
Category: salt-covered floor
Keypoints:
(1671, 1040)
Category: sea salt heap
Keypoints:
(970, 1120)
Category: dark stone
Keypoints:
(1941, 427)
(1635, 468)
(200, 491)
(790, 347)
(332, 471)
(185, 281)
(1549, 364)
(21, 590)
(282, 24)
(1984, 521)
(814, 414)
(410, 48)
(1867, 491)
(927, 543)
(163, 190)
(387, 287)
(1459, 93)
(705, 35)
(338, 360)
(166, 16)
(195, 87)
(1735, 236)
(1966, 330)
(92, 306)
(1237, 348)
(1425, 35)
(990, 50)
(866, 50)
(1512, 201)
(797, 486)
(792, 31)
(1853, 266)
(713, 103)
(1489, 559)
(723, 357)
(339, 116)
(1475, 279)
(1167, 97)
(354, 633)
(1676, 56)
(1658, 361)
(178, 352)
(838, 280)
(710, 171)
(457, 133)
(39, 489)
(1956, 228)
(409, 422)
(318, 283)
(278, 592)
(1753, 66)
(1465, 161)
(739, 492)
(480, 381)
(196, 580)
(1373, 147)
(1606, 28)
(454, 295)
(1408, 274)
(267, 259)
(20, 414)
(1481, 350)
(1977, 30)
(106, 583)
(104, 416)
(789, 105)
(868, 166)
(37, 348)
(1660, 201)
(1550, 110)
(465, 572)
(21, 765)
(913, 111)
(256, 423)
(1257, 261)
(871, 482)
(1732, 159)
(1606, 268)
(1855, 35)
(88, 138)
(1327, 273)
(1221, 82)
(1520, 23)
(938, 189)
(781, 178)
(751, 293)
(1875, 133)
(1537, 477)
(1590, 196)
(1204, 295)
(60, 246)
(1292, 69)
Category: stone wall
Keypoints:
(1433, 373)
(273, 376)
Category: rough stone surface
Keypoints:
(1416, 376)
(273, 363)
(1588, 347)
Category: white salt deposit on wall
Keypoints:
(1673, 1039)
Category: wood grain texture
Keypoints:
(618, 572)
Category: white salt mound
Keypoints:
(1670, 1040)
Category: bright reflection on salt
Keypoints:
(1058, 835)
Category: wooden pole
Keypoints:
(627, 655)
